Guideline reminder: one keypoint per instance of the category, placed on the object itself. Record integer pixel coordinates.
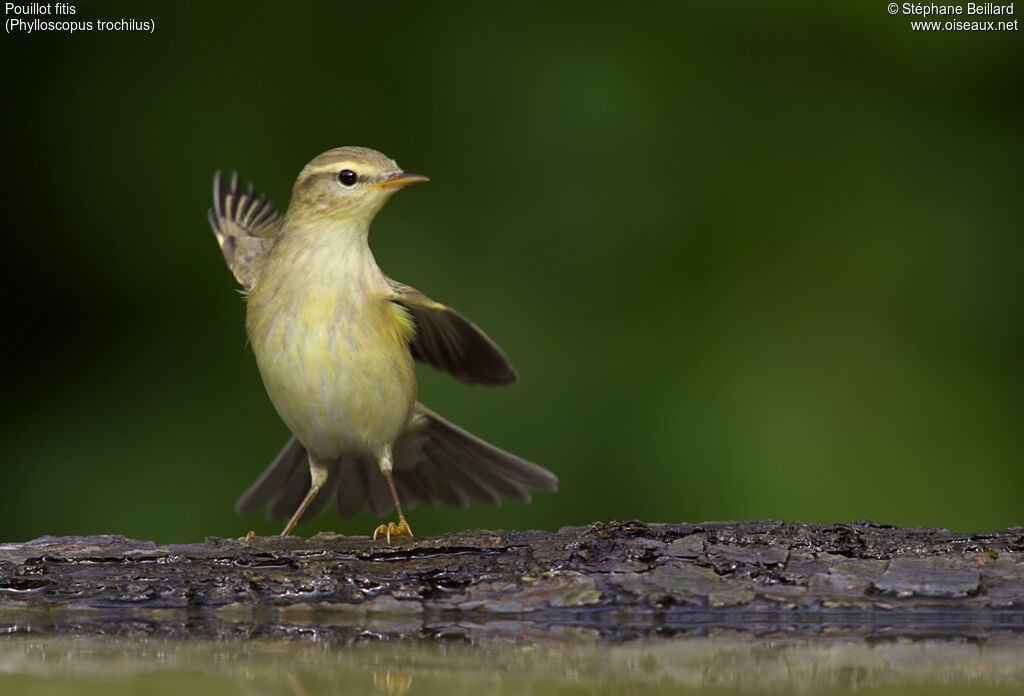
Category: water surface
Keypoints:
(577, 663)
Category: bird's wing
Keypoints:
(448, 341)
(245, 224)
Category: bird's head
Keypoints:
(347, 183)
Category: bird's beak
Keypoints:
(399, 179)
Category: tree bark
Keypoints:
(618, 581)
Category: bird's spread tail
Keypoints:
(435, 462)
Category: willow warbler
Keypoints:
(335, 340)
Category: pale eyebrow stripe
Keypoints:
(332, 167)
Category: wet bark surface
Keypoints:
(613, 581)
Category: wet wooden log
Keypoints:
(615, 581)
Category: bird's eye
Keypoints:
(347, 177)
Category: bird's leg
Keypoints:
(318, 476)
(402, 528)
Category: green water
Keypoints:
(724, 664)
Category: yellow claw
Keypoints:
(248, 537)
(400, 529)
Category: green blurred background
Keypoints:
(751, 260)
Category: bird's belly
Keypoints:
(340, 386)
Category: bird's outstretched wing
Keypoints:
(448, 341)
(246, 225)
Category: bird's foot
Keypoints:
(248, 537)
(400, 529)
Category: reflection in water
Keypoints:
(392, 682)
(725, 663)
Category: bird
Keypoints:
(335, 341)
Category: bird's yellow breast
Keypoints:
(332, 348)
